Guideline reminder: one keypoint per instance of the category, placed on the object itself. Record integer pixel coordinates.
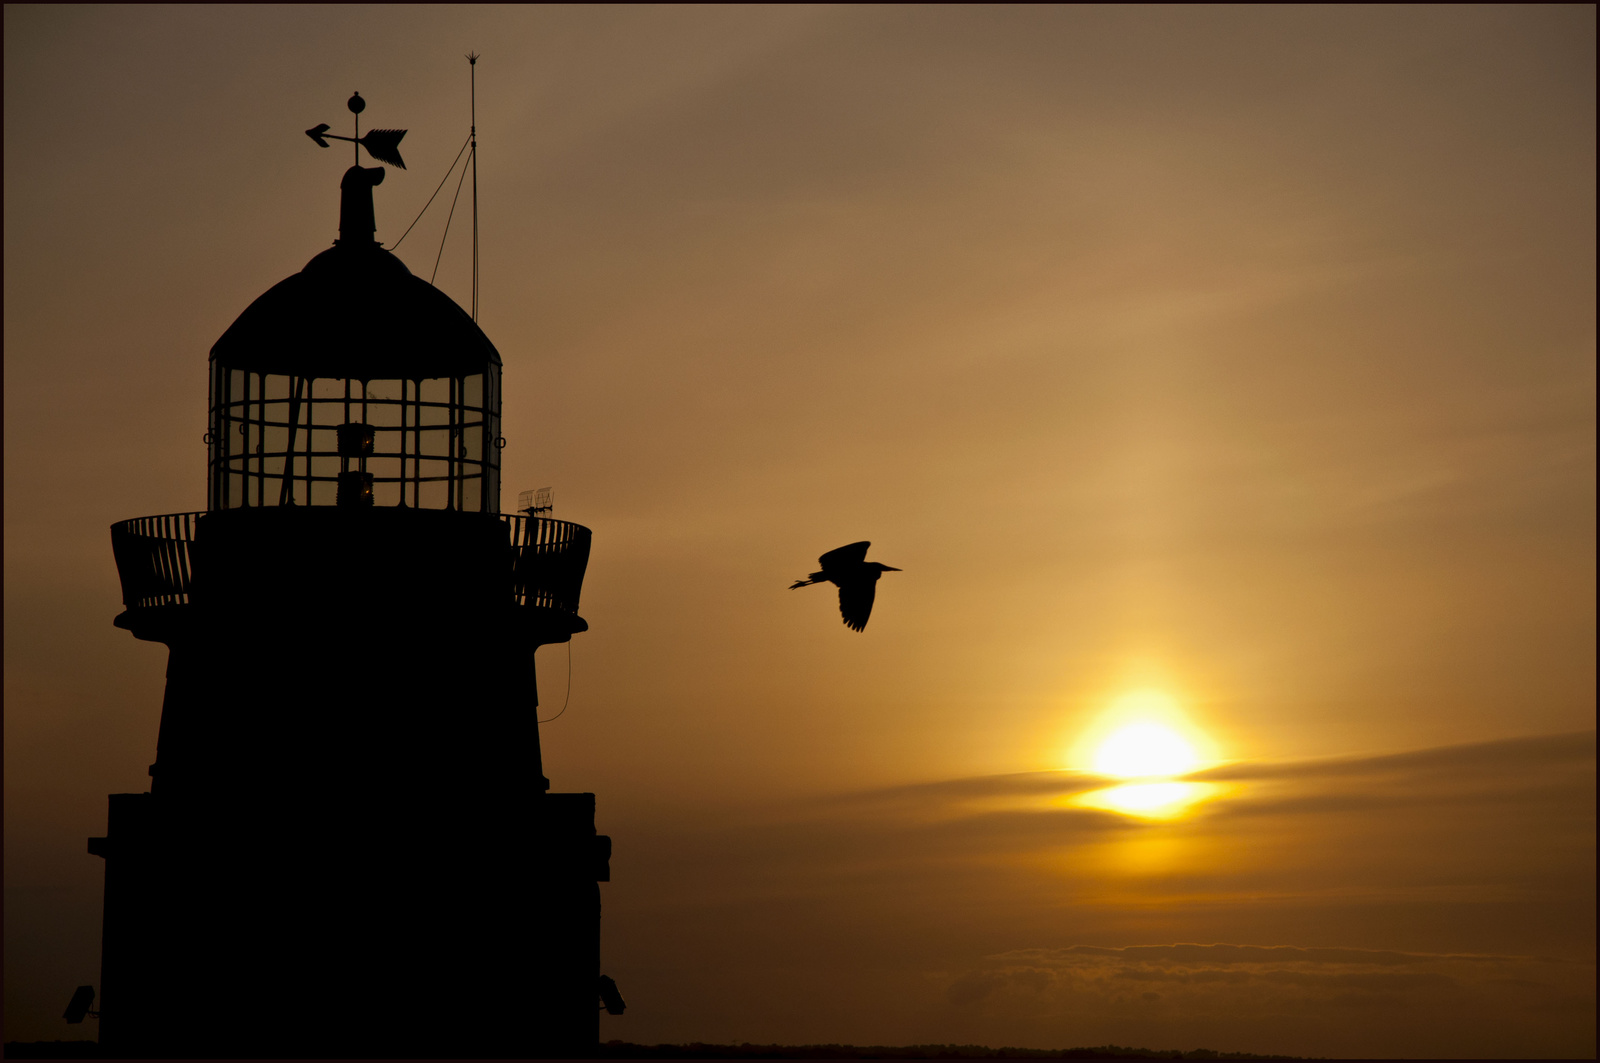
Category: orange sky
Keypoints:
(1244, 355)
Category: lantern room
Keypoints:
(355, 383)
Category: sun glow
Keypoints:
(1141, 734)
(1145, 737)
(1139, 750)
(1148, 800)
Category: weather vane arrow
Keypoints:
(381, 144)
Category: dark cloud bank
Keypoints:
(1433, 903)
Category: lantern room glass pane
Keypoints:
(273, 440)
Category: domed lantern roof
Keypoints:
(355, 311)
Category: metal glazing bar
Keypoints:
(311, 427)
(225, 444)
(453, 490)
(244, 432)
(286, 481)
(261, 441)
(251, 480)
(217, 448)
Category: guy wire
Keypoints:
(431, 198)
(447, 221)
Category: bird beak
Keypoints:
(888, 568)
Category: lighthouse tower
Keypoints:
(348, 847)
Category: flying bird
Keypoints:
(855, 576)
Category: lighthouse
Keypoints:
(348, 846)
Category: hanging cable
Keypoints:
(431, 198)
(447, 220)
(568, 698)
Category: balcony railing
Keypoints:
(155, 559)
(549, 560)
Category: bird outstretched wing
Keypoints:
(855, 602)
(854, 554)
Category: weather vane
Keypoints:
(381, 144)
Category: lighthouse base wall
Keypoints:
(244, 932)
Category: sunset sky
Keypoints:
(1224, 372)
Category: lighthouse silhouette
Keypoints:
(348, 847)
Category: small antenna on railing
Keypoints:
(536, 503)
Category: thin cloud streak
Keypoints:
(1503, 756)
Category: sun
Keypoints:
(1145, 737)
(1142, 733)
(1143, 749)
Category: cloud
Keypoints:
(1547, 775)
(1575, 749)
(1491, 763)
(1213, 955)
(1494, 1003)
(978, 786)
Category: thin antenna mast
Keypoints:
(472, 61)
